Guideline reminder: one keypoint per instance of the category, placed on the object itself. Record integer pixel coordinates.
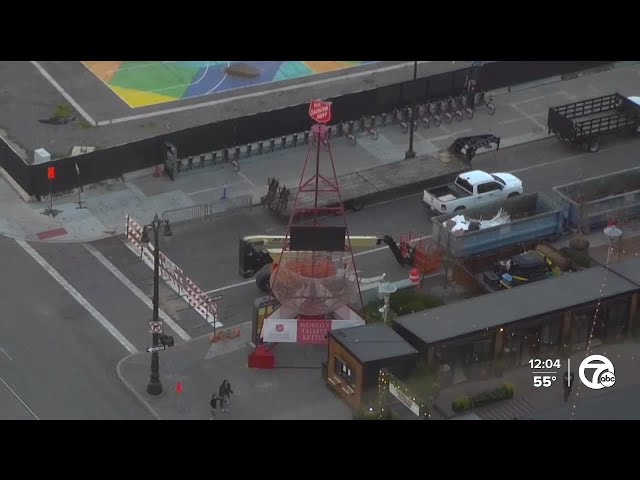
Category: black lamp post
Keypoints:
(410, 153)
(154, 387)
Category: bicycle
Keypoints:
(369, 129)
(487, 103)
(347, 131)
(399, 117)
(468, 111)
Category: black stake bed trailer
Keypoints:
(582, 123)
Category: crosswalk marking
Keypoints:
(136, 291)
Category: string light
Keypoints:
(587, 351)
(385, 378)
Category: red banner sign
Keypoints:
(320, 111)
(51, 173)
(315, 332)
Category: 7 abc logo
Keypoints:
(597, 372)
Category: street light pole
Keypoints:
(410, 153)
(154, 387)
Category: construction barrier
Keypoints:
(195, 212)
(173, 275)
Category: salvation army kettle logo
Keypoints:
(601, 373)
(279, 327)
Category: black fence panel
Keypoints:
(503, 74)
(388, 98)
(204, 138)
(441, 86)
(96, 166)
(353, 106)
(273, 124)
(15, 166)
(413, 91)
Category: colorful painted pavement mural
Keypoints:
(143, 84)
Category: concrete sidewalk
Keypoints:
(520, 117)
(200, 366)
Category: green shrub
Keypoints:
(363, 413)
(504, 392)
(373, 315)
(409, 301)
(508, 389)
(403, 302)
(63, 112)
(462, 404)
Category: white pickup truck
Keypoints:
(471, 189)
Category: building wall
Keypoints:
(475, 356)
(353, 393)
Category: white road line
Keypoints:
(62, 92)
(246, 179)
(219, 187)
(17, 397)
(228, 287)
(241, 284)
(79, 298)
(136, 291)
(528, 116)
(6, 354)
(254, 94)
(563, 159)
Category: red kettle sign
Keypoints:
(320, 111)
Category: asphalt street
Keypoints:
(56, 360)
(208, 250)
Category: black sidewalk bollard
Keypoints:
(350, 127)
(272, 144)
(202, 160)
(179, 165)
(340, 132)
(190, 163)
(236, 153)
(249, 146)
(306, 138)
(373, 122)
(283, 143)
(384, 119)
(362, 126)
(295, 139)
(260, 147)
(225, 155)
(214, 158)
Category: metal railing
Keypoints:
(196, 212)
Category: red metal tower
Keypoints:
(314, 279)
(310, 220)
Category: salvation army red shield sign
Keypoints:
(320, 111)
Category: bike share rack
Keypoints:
(174, 165)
